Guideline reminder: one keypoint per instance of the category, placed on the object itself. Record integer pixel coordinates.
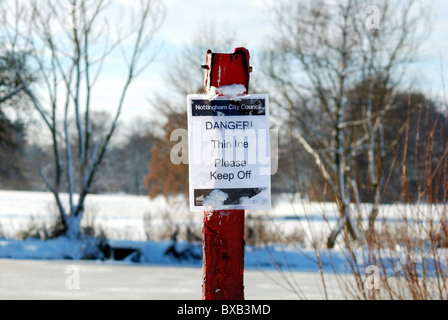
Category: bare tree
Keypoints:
(323, 49)
(13, 104)
(70, 42)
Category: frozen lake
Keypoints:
(31, 279)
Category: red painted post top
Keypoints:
(224, 69)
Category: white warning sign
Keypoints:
(229, 152)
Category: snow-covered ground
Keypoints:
(126, 220)
(122, 216)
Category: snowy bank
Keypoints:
(183, 254)
(166, 253)
(60, 248)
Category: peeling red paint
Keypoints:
(223, 252)
(224, 69)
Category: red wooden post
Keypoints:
(223, 255)
(223, 230)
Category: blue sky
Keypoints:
(248, 18)
(251, 20)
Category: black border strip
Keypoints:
(235, 195)
(215, 108)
